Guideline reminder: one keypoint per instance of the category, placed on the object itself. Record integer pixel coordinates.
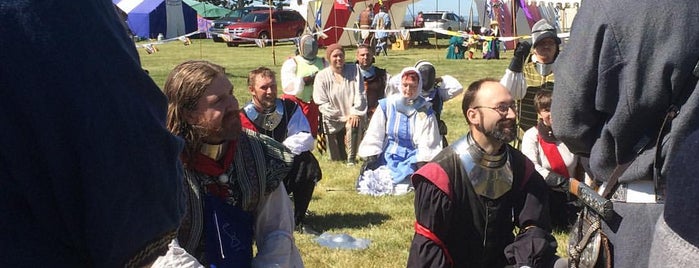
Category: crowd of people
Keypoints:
(102, 169)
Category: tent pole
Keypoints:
(271, 30)
(514, 22)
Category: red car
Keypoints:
(256, 24)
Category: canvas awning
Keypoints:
(207, 10)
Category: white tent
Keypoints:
(336, 14)
(560, 13)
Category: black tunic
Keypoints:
(456, 227)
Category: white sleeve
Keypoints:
(176, 256)
(530, 148)
(393, 85)
(274, 232)
(450, 87)
(374, 136)
(291, 84)
(515, 83)
(321, 89)
(429, 142)
(298, 138)
(359, 104)
(388, 89)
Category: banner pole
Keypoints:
(271, 30)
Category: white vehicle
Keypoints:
(444, 20)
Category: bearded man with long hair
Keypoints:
(233, 176)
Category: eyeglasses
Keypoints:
(502, 109)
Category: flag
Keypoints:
(489, 10)
(524, 8)
(341, 4)
(319, 13)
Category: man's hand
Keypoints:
(438, 80)
(521, 52)
(353, 121)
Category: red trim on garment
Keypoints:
(553, 156)
(211, 167)
(309, 109)
(427, 233)
(246, 123)
(434, 173)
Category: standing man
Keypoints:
(626, 97)
(382, 21)
(375, 78)
(298, 74)
(284, 121)
(470, 197)
(89, 175)
(233, 176)
(530, 72)
(339, 92)
(365, 20)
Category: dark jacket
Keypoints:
(626, 62)
(456, 227)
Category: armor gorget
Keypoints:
(266, 120)
(544, 69)
(214, 151)
(490, 175)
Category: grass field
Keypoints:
(336, 207)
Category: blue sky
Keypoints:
(444, 5)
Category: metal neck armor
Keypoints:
(490, 175)
(544, 69)
(214, 151)
(268, 120)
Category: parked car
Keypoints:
(219, 25)
(444, 20)
(285, 23)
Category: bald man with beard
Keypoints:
(472, 195)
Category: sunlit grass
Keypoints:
(337, 208)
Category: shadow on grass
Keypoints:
(346, 220)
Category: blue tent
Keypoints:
(148, 18)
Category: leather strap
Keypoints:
(613, 182)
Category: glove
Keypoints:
(521, 52)
(370, 163)
(557, 182)
(533, 247)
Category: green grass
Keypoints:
(337, 208)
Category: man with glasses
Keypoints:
(531, 70)
(471, 196)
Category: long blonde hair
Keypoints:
(184, 86)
